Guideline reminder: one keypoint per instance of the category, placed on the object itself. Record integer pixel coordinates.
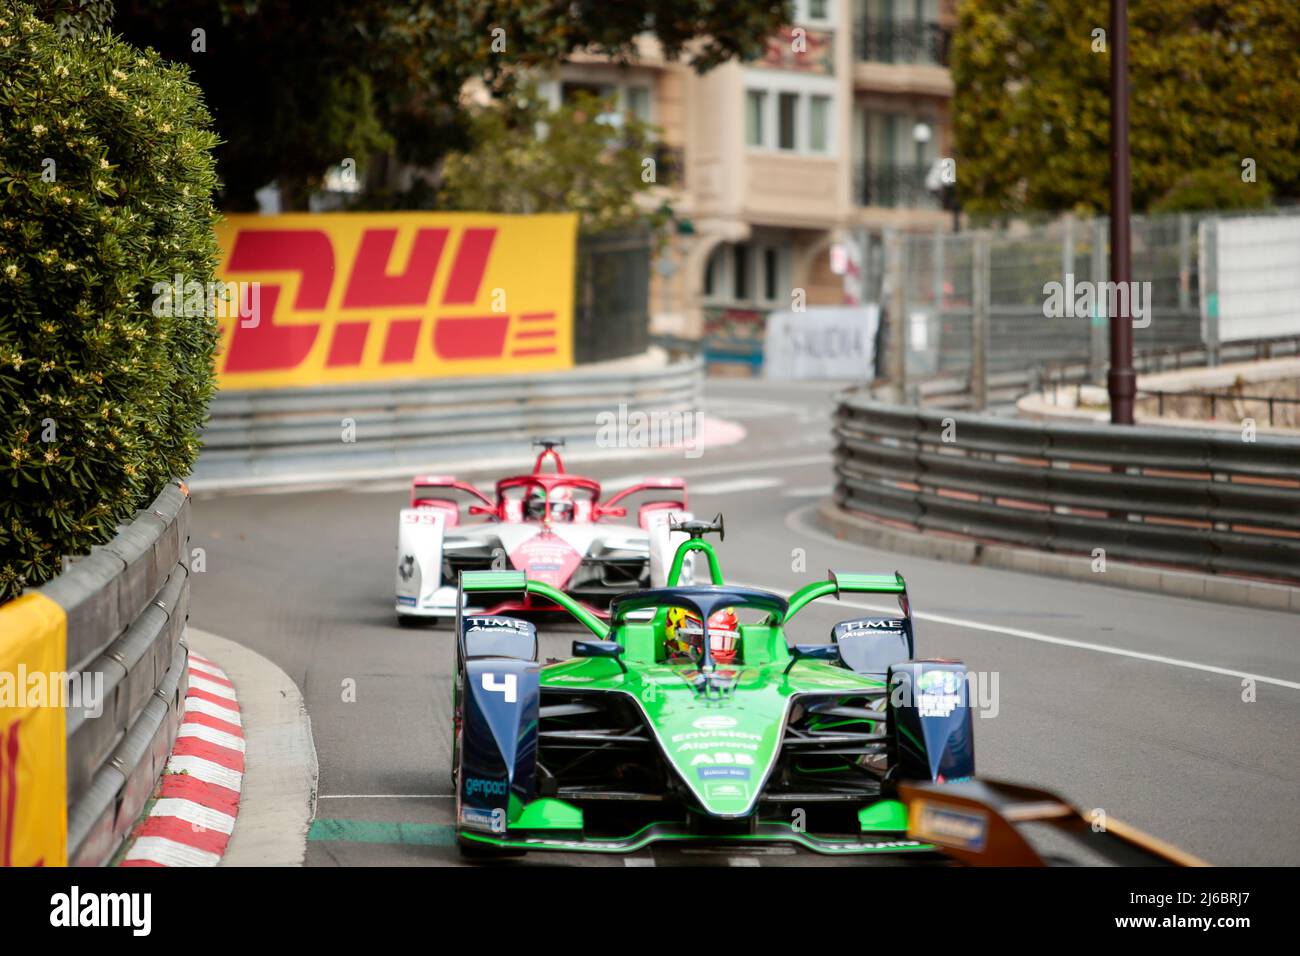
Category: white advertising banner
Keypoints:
(831, 342)
(1258, 278)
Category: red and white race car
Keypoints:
(552, 525)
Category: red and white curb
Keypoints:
(192, 818)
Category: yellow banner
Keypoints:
(366, 297)
(33, 735)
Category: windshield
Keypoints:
(562, 503)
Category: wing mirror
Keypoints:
(618, 511)
(481, 510)
(610, 649)
(812, 652)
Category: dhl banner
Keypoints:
(367, 297)
(33, 741)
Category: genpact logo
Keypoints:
(486, 788)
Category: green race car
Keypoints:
(743, 738)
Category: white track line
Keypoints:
(1063, 641)
(794, 521)
(386, 796)
(734, 486)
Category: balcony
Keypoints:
(904, 42)
(894, 185)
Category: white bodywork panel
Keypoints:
(423, 536)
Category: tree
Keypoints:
(581, 162)
(106, 185)
(300, 85)
(1213, 82)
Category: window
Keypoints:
(769, 273)
(638, 102)
(819, 108)
(787, 119)
(755, 104)
(709, 268)
(816, 9)
(740, 272)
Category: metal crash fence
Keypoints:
(1181, 497)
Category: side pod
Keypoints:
(419, 556)
(931, 733)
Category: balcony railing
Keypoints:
(895, 185)
(901, 41)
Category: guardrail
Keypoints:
(1197, 499)
(953, 389)
(411, 422)
(125, 606)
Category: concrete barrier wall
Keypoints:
(125, 605)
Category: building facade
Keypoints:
(768, 164)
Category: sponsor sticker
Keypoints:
(473, 818)
(948, 826)
(724, 773)
(726, 791)
(487, 788)
(714, 722)
(937, 693)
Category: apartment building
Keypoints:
(770, 163)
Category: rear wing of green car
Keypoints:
(842, 582)
(516, 583)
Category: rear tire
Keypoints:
(409, 620)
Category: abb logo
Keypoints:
(353, 297)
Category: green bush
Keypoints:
(106, 184)
(1215, 188)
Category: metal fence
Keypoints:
(1181, 497)
(126, 605)
(974, 303)
(939, 293)
(884, 40)
(611, 309)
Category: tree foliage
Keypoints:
(1213, 82)
(106, 185)
(299, 85)
(580, 163)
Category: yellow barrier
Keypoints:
(360, 297)
(33, 735)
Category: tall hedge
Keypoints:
(106, 185)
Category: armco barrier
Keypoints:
(954, 390)
(1181, 497)
(123, 609)
(346, 427)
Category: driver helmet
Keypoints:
(561, 504)
(535, 503)
(684, 635)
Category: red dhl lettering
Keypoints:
(411, 298)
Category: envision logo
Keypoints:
(1083, 300)
(103, 909)
(718, 722)
(488, 788)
